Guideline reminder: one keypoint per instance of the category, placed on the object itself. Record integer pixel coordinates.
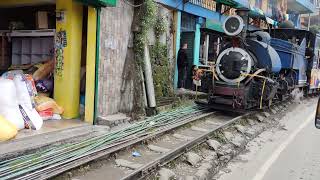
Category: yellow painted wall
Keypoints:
(67, 86)
(91, 60)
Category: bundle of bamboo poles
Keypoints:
(32, 165)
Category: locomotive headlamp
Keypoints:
(233, 25)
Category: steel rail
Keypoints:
(141, 172)
(175, 153)
(70, 164)
(3, 164)
(59, 167)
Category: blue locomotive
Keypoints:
(255, 68)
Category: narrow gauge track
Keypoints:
(163, 149)
(51, 162)
(182, 140)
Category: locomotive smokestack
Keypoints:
(237, 24)
(244, 14)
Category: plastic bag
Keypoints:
(11, 74)
(46, 114)
(23, 95)
(31, 85)
(56, 117)
(9, 107)
(45, 85)
(31, 118)
(44, 103)
(7, 129)
(44, 70)
(25, 77)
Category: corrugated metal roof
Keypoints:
(301, 6)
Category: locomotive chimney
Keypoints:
(244, 14)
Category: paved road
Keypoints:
(289, 153)
(300, 159)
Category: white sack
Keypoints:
(31, 118)
(22, 92)
(9, 107)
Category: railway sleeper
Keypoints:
(220, 149)
(214, 149)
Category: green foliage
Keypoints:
(315, 28)
(160, 62)
(149, 16)
(139, 48)
(149, 19)
(161, 70)
(160, 26)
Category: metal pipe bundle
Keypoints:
(149, 78)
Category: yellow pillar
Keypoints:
(67, 85)
(91, 60)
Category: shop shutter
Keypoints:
(188, 37)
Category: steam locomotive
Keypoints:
(255, 68)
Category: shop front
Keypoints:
(54, 44)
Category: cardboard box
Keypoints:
(42, 20)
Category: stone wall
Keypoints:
(120, 86)
(119, 89)
(169, 39)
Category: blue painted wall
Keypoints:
(192, 9)
(196, 49)
(177, 28)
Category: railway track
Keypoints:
(49, 162)
(159, 140)
(178, 142)
(163, 149)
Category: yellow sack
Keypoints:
(7, 129)
(44, 70)
(43, 103)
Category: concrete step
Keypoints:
(32, 143)
(113, 120)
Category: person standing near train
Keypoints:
(182, 63)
